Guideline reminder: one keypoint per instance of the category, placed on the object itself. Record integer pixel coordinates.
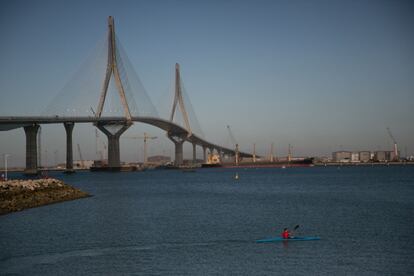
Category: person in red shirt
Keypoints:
(286, 234)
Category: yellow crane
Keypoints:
(145, 138)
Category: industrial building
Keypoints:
(368, 156)
(364, 156)
(341, 156)
(355, 157)
(380, 156)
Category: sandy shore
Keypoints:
(16, 195)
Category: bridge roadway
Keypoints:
(175, 132)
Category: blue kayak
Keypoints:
(279, 239)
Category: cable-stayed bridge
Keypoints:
(112, 126)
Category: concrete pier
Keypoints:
(31, 149)
(194, 153)
(178, 141)
(69, 147)
(114, 159)
(205, 154)
(179, 153)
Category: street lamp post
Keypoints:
(5, 165)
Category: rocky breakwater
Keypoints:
(16, 195)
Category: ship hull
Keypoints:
(307, 162)
(211, 165)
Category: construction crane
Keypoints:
(271, 157)
(145, 138)
(234, 144)
(80, 157)
(232, 139)
(289, 157)
(254, 153)
(396, 157)
(99, 152)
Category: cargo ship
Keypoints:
(300, 162)
(101, 166)
(114, 169)
(214, 161)
(171, 166)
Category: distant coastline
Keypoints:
(363, 163)
(265, 164)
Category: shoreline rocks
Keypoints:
(17, 195)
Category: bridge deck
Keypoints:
(13, 122)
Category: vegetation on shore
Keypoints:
(16, 195)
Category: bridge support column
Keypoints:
(194, 153)
(220, 154)
(69, 147)
(114, 160)
(31, 149)
(179, 158)
(205, 154)
(178, 141)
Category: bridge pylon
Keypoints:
(112, 70)
(179, 138)
(114, 162)
(178, 99)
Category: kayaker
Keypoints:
(286, 234)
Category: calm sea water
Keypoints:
(206, 223)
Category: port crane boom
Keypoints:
(235, 145)
(396, 157)
(232, 139)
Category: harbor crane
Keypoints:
(289, 157)
(145, 138)
(271, 157)
(232, 139)
(234, 144)
(396, 157)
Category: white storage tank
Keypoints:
(364, 156)
(355, 157)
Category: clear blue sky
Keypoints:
(321, 75)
